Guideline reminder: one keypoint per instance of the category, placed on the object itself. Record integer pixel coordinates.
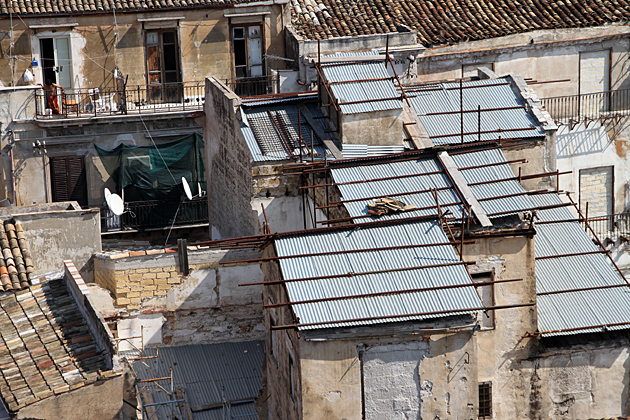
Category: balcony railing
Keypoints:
(590, 106)
(252, 86)
(156, 214)
(611, 226)
(77, 103)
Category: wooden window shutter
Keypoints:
(68, 179)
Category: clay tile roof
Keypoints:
(16, 263)
(45, 346)
(76, 7)
(439, 22)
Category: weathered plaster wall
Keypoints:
(228, 165)
(378, 128)
(55, 236)
(282, 199)
(580, 382)
(102, 400)
(502, 348)
(552, 57)
(206, 306)
(586, 147)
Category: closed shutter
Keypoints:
(69, 182)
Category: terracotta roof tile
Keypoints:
(75, 7)
(45, 346)
(440, 22)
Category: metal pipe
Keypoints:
(423, 289)
(349, 251)
(361, 273)
(514, 178)
(392, 195)
(571, 255)
(395, 98)
(581, 328)
(506, 196)
(583, 289)
(483, 132)
(552, 206)
(483, 308)
(285, 141)
(419, 87)
(363, 80)
(336, 184)
(468, 111)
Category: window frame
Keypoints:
(263, 49)
(485, 409)
(160, 44)
(482, 276)
(37, 53)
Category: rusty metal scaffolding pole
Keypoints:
(348, 251)
(450, 311)
(361, 273)
(574, 254)
(583, 289)
(421, 289)
(335, 184)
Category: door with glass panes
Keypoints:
(163, 72)
(247, 47)
(56, 62)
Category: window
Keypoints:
(55, 61)
(247, 48)
(487, 297)
(68, 179)
(485, 400)
(163, 65)
(596, 189)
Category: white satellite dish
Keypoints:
(187, 189)
(107, 194)
(115, 204)
(199, 189)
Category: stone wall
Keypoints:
(596, 189)
(228, 165)
(155, 300)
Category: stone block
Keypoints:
(160, 281)
(159, 293)
(146, 293)
(162, 275)
(164, 287)
(122, 301)
(137, 289)
(133, 294)
(146, 282)
(136, 300)
(152, 287)
(148, 276)
(142, 270)
(134, 277)
(174, 280)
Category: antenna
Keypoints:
(187, 189)
(115, 204)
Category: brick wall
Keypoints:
(594, 71)
(596, 188)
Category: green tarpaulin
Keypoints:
(155, 172)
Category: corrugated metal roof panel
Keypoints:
(331, 312)
(577, 310)
(490, 94)
(361, 87)
(495, 189)
(353, 151)
(276, 101)
(390, 187)
(205, 370)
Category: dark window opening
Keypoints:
(68, 180)
(163, 71)
(485, 400)
(47, 49)
(487, 297)
(247, 48)
(291, 379)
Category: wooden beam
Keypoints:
(320, 132)
(464, 189)
(147, 398)
(415, 129)
(184, 406)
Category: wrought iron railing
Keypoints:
(252, 86)
(155, 214)
(77, 103)
(611, 226)
(575, 108)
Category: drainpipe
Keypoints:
(11, 146)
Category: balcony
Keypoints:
(140, 99)
(253, 86)
(573, 109)
(611, 226)
(156, 214)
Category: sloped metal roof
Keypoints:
(360, 185)
(488, 173)
(259, 130)
(376, 263)
(394, 187)
(209, 373)
(573, 312)
(359, 87)
(489, 94)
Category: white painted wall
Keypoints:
(590, 147)
(285, 213)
